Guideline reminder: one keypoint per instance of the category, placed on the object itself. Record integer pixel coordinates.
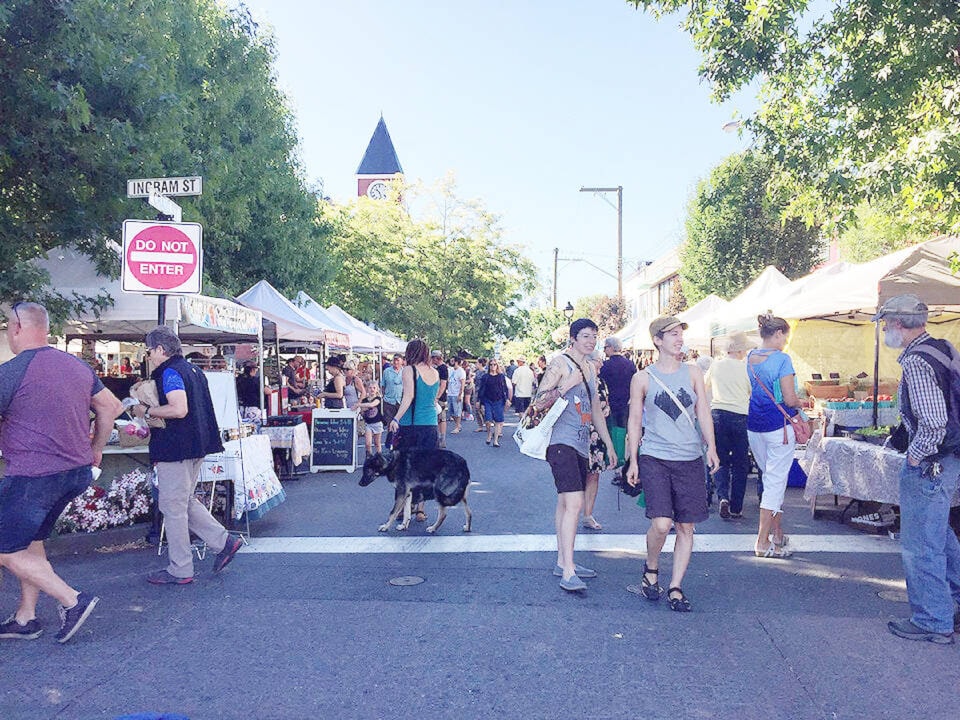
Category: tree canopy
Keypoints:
(96, 92)
(735, 229)
(859, 100)
(432, 266)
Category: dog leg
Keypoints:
(440, 518)
(466, 511)
(393, 515)
(407, 502)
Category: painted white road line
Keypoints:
(628, 544)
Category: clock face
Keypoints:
(378, 190)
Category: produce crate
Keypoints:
(826, 392)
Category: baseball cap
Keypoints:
(436, 353)
(665, 323)
(902, 305)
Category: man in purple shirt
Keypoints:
(617, 372)
(45, 401)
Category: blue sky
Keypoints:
(525, 102)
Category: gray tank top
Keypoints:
(667, 433)
(573, 426)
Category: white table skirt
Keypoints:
(248, 463)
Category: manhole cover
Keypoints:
(406, 580)
(894, 595)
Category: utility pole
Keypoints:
(556, 252)
(619, 191)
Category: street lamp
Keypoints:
(619, 191)
(568, 312)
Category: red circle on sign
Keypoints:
(161, 257)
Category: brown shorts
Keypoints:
(675, 489)
(569, 468)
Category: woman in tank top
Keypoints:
(569, 449)
(667, 399)
(416, 417)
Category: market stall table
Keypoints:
(293, 441)
(852, 468)
(247, 465)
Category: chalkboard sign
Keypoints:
(334, 440)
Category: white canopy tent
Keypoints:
(293, 325)
(360, 340)
(741, 312)
(133, 315)
(700, 320)
(381, 340)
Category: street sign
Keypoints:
(162, 257)
(167, 206)
(165, 186)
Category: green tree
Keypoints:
(678, 299)
(876, 229)
(859, 100)
(433, 266)
(734, 230)
(96, 92)
(609, 313)
(537, 337)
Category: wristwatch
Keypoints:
(146, 413)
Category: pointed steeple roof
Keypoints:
(380, 157)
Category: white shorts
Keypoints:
(774, 460)
(375, 428)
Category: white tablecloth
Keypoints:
(853, 469)
(296, 438)
(249, 464)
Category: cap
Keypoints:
(902, 305)
(436, 353)
(665, 323)
(738, 342)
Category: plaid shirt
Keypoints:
(926, 401)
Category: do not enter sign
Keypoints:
(162, 257)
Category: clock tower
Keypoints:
(379, 166)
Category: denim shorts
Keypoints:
(493, 410)
(30, 506)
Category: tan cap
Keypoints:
(902, 305)
(665, 323)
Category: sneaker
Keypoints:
(736, 514)
(725, 509)
(72, 618)
(579, 570)
(12, 630)
(226, 555)
(906, 629)
(162, 577)
(573, 584)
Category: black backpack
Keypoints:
(945, 361)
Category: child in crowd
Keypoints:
(371, 412)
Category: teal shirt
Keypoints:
(423, 410)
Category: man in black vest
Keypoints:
(177, 451)
(928, 480)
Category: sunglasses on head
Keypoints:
(16, 312)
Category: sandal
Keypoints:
(651, 590)
(784, 541)
(678, 604)
(773, 551)
(589, 521)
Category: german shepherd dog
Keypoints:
(419, 475)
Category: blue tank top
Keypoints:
(423, 410)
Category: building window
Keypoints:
(664, 291)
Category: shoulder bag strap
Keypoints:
(586, 383)
(786, 416)
(673, 397)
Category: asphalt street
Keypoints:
(305, 622)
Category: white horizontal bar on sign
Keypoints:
(161, 257)
(461, 543)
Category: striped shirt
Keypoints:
(926, 402)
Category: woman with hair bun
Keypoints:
(773, 393)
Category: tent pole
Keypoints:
(876, 371)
